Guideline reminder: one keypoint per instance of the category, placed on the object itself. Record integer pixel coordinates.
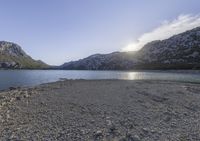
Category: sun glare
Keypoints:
(131, 47)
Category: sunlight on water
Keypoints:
(14, 78)
(133, 75)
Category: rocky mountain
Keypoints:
(112, 61)
(181, 51)
(13, 57)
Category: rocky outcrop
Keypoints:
(13, 57)
(9, 65)
(181, 51)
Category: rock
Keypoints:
(98, 134)
(109, 122)
(145, 130)
(167, 119)
(173, 124)
(3, 103)
(43, 103)
(12, 99)
(92, 121)
(136, 138)
(2, 97)
(18, 98)
(130, 137)
(113, 130)
(26, 95)
(12, 88)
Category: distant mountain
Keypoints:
(13, 57)
(112, 61)
(181, 51)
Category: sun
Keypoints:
(131, 47)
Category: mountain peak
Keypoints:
(11, 49)
(12, 56)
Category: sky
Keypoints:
(58, 31)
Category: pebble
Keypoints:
(12, 88)
(136, 138)
(98, 134)
(18, 98)
(130, 137)
(105, 123)
(145, 130)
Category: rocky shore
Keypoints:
(106, 110)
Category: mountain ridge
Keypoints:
(13, 57)
(181, 51)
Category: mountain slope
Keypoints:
(115, 60)
(13, 57)
(181, 51)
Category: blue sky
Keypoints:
(57, 31)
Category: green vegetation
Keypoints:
(23, 62)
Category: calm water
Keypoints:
(14, 78)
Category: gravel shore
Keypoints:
(106, 110)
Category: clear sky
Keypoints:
(57, 31)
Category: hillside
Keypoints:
(181, 51)
(115, 60)
(13, 57)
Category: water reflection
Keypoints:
(14, 78)
(133, 75)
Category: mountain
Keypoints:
(112, 61)
(181, 51)
(13, 57)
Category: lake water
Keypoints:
(14, 78)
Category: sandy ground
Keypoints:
(109, 110)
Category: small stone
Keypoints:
(167, 119)
(112, 129)
(3, 103)
(12, 99)
(8, 115)
(145, 130)
(136, 138)
(2, 97)
(160, 132)
(130, 137)
(173, 124)
(43, 103)
(153, 131)
(92, 121)
(109, 123)
(18, 98)
(26, 95)
(83, 132)
(12, 88)
(98, 134)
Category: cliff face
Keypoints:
(13, 57)
(181, 51)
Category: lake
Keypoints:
(15, 78)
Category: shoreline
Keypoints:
(66, 79)
(101, 110)
(18, 88)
